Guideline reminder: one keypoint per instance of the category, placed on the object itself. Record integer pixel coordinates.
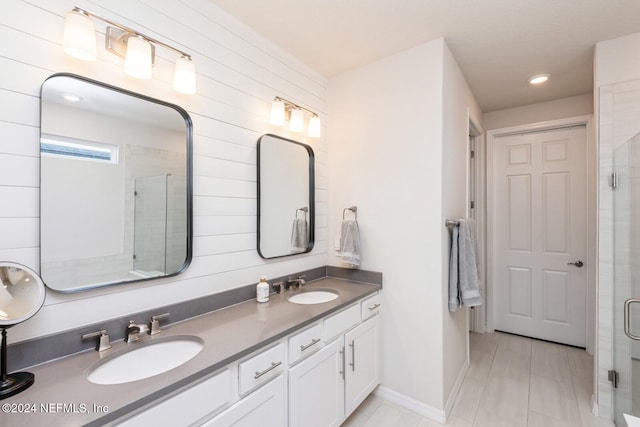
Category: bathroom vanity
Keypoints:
(272, 364)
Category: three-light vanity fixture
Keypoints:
(137, 49)
(281, 107)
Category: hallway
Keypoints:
(512, 382)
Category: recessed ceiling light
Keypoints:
(539, 78)
(71, 97)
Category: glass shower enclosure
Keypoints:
(160, 238)
(626, 375)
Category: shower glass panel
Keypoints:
(626, 162)
(159, 240)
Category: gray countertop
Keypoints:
(61, 386)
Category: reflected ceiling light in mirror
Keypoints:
(71, 97)
(281, 108)
(79, 40)
(539, 79)
(137, 61)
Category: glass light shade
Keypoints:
(137, 62)
(277, 112)
(184, 76)
(79, 37)
(314, 127)
(296, 122)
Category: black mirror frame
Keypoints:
(189, 178)
(312, 197)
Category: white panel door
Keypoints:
(363, 363)
(539, 230)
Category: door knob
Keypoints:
(577, 263)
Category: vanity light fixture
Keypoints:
(79, 41)
(538, 79)
(281, 108)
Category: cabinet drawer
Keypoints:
(188, 406)
(338, 323)
(261, 368)
(304, 343)
(370, 306)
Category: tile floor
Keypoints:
(512, 382)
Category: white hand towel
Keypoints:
(350, 243)
(299, 235)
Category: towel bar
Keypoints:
(451, 222)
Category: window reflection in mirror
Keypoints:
(115, 196)
(286, 200)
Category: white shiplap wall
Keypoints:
(239, 73)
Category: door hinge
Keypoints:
(473, 154)
(472, 204)
(614, 377)
(613, 180)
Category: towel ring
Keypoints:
(353, 209)
(303, 209)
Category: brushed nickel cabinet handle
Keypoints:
(312, 343)
(373, 307)
(353, 356)
(273, 366)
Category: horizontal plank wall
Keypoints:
(239, 73)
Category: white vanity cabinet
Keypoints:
(325, 388)
(362, 370)
(314, 377)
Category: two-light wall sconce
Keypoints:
(137, 49)
(281, 108)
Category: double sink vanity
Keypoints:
(279, 363)
(116, 202)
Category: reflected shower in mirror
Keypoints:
(286, 198)
(115, 195)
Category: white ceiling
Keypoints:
(497, 43)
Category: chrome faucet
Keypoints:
(133, 332)
(296, 283)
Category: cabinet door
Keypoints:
(316, 389)
(363, 363)
(264, 407)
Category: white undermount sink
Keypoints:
(313, 297)
(145, 359)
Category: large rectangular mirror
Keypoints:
(286, 197)
(115, 185)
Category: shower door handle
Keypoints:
(576, 263)
(627, 329)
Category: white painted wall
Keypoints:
(239, 73)
(573, 106)
(459, 107)
(391, 134)
(617, 100)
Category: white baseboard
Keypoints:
(421, 408)
(437, 415)
(451, 400)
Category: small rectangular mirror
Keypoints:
(286, 197)
(115, 185)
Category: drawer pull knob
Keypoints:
(313, 342)
(273, 366)
(373, 307)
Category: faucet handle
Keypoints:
(278, 287)
(155, 323)
(103, 343)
